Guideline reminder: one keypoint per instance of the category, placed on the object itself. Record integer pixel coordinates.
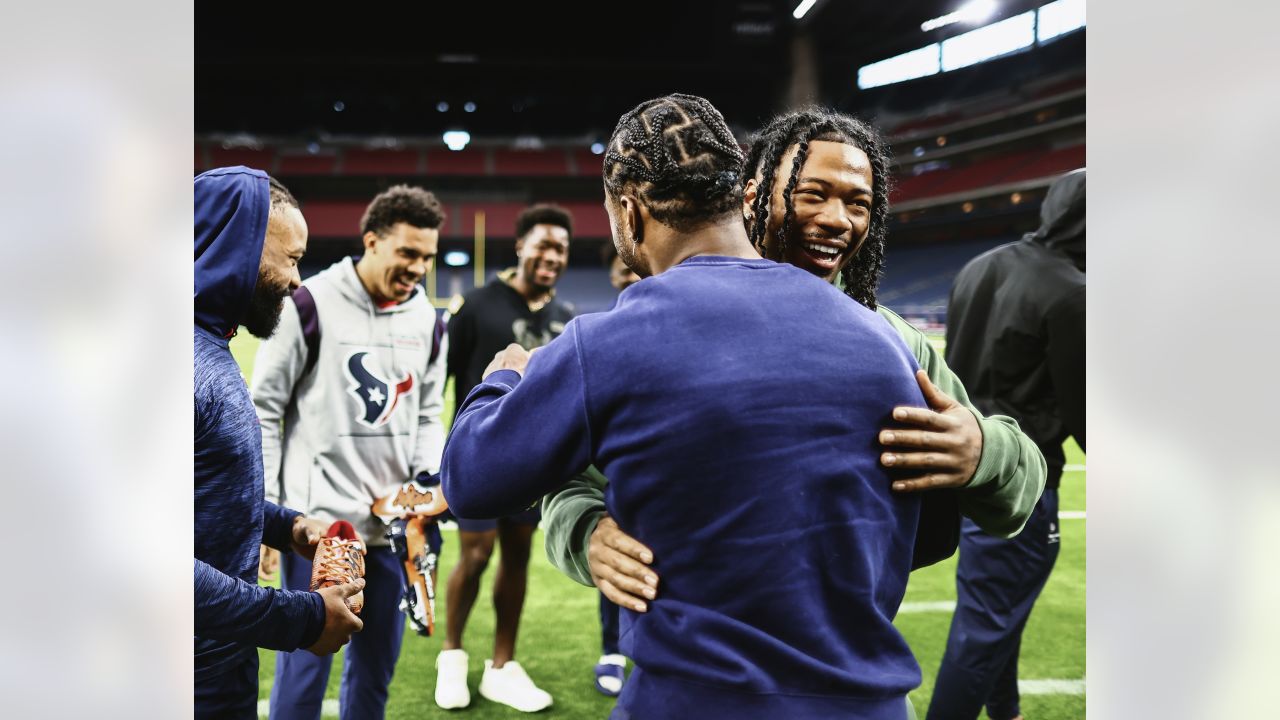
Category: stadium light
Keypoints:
(1059, 18)
(597, 148)
(907, 66)
(971, 12)
(991, 41)
(456, 258)
(803, 8)
(456, 139)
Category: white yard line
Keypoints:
(327, 709)
(1073, 468)
(1051, 687)
(1071, 515)
(925, 607)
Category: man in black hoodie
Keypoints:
(1015, 336)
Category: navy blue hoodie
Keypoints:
(233, 615)
(734, 405)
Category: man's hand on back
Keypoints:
(944, 442)
(620, 566)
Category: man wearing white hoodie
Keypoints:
(349, 393)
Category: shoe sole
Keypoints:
(504, 703)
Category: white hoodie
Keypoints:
(366, 418)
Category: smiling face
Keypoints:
(832, 200)
(543, 252)
(396, 261)
(283, 247)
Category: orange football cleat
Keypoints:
(339, 560)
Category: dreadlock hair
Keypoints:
(402, 204)
(861, 275)
(543, 214)
(677, 154)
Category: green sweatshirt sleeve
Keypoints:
(1011, 472)
(569, 516)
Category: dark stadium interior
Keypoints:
(340, 110)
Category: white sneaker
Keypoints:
(511, 686)
(451, 679)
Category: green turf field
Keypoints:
(559, 634)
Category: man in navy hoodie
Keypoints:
(735, 404)
(249, 235)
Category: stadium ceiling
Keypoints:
(543, 70)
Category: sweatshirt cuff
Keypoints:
(506, 378)
(989, 463)
(315, 620)
(277, 526)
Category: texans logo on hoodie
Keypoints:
(377, 396)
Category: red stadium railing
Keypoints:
(530, 163)
(357, 161)
(1014, 167)
(442, 161)
(341, 218)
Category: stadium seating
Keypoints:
(341, 218)
(917, 278)
(356, 161)
(292, 164)
(223, 157)
(1013, 167)
(442, 161)
(530, 163)
(587, 163)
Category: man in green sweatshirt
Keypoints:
(816, 197)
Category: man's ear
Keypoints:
(519, 246)
(369, 239)
(749, 197)
(632, 218)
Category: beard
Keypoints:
(265, 306)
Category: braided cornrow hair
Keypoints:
(861, 275)
(678, 155)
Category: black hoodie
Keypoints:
(1015, 326)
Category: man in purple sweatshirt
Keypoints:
(735, 405)
(249, 235)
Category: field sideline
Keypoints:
(559, 633)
